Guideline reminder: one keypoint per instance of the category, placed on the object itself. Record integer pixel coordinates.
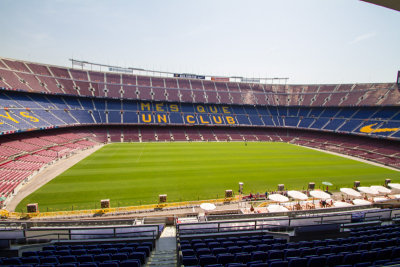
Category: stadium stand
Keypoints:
(21, 157)
(113, 244)
(91, 107)
(294, 241)
(48, 112)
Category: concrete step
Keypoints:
(165, 252)
(163, 258)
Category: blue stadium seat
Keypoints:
(263, 247)
(130, 263)
(334, 260)
(62, 252)
(84, 258)
(275, 254)
(297, 262)
(225, 258)
(248, 248)
(213, 244)
(33, 260)
(96, 251)
(234, 249)
(49, 260)
(363, 264)
(203, 251)
(308, 251)
(109, 264)
(278, 263)
(219, 250)
(139, 256)
(29, 253)
(316, 261)
(352, 258)
(236, 265)
(292, 253)
(259, 255)
(261, 264)
(88, 264)
(368, 256)
(119, 256)
(383, 254)
(66, 259)
(228, 244)
(207, 259)
(189, 260)
(381, 262)
(242, 257)
(78, 252)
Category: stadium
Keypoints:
(103, 165)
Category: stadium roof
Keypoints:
(392, 4)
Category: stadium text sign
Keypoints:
(13, 118)
(201, 114)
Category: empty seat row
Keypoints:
(328, 259)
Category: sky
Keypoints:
(308, 41)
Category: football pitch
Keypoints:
(136, 173)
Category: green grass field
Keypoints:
(136, 173)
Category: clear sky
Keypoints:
(309, 41)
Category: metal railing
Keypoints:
(284, 223)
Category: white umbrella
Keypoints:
(208, 206)
(394, 185)
(396, 196)
(350, 192)
(278, 198)
(297, 195)
(380, 199)
(368, 190)
(361, 202)
(276, 208)
(340, 204)
(381, 189)
(319, 194)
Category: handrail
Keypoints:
(115, 234)
(69, 235)
(287, 222)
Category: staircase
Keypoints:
(165, 252)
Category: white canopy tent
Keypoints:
(350, 192)
(297, 195)
(361, 202)
(341, 204)
(278, 198)
(208, 206)
(380, 199)
(394, 186)
(320, 194)
(368, 190)
(276, 208)
(381, 189)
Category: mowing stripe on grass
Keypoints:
(192, 171)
